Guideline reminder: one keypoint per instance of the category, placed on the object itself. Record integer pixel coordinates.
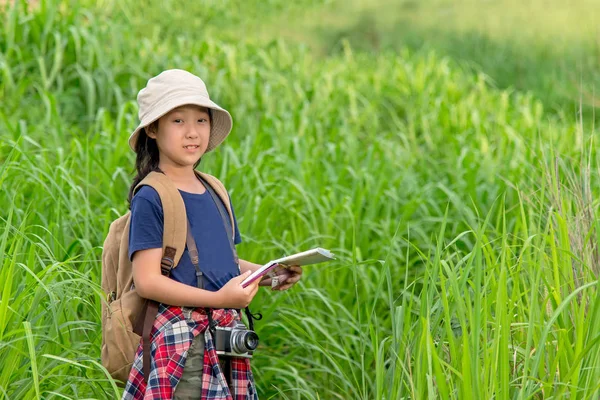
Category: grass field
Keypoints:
(550, 47)
(460, 199)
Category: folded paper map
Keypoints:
(314, 256)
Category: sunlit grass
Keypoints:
(463, 215)
(549, 47)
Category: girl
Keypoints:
(178, 124)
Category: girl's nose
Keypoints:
(191, 133)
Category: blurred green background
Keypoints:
(445, 150)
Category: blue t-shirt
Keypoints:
(214, 252)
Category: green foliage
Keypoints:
(549, 47)
(463, 215)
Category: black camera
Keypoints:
(235, 340)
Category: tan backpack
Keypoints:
(125, 315)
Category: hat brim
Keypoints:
(220, 124)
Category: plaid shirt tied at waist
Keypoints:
(172, 334)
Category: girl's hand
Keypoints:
(278, 272)
(288, 277)
(233, 295)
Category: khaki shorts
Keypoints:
(190, 384)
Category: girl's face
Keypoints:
(182, 135)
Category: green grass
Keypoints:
(464, 215)
(550, 47)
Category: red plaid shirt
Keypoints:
(172, 335)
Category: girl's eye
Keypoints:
(177, 120)
(202, 120)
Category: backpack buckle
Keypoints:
(110, 297)
(166, 264)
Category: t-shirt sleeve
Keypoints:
(146, 225)
(238, 237)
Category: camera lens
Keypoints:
(244, 341)
(251, 340)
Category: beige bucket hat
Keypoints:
(173, 88)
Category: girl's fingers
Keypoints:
(254, 285)
(296, 269)
(254, 290)
(293, 276)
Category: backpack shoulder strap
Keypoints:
(174, 214)
(175, 224)
(220, 190)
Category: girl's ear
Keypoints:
(151, 130)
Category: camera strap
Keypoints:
(226, 220)
(193, 252)
(227, 223)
